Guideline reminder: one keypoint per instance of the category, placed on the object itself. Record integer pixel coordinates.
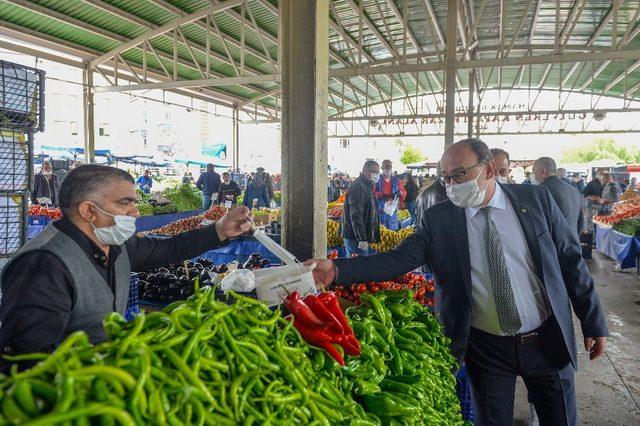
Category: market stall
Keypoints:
(618, 235)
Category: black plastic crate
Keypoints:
(13, 222)
(16, 164)
(21, 97)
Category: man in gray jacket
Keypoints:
(566, 196)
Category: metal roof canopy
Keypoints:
(381, 51)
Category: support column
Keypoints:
(450, 95)
(88, 115)
(236, 140)
(305, 73)
(472, 79)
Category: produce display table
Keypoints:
(147, 223)
(239, 249)
(620, 247)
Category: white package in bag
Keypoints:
(274, 284)
(391, 206)
(242, 280)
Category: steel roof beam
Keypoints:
(621, 77)
(483, 63)
(601, 26)
(166, 28)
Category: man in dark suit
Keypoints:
(508, 269)
(566, 196)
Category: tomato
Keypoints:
(361, 288)
(374, 288)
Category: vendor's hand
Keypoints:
(234, 223)
(363, 245)
(595, 346)
(324, 273)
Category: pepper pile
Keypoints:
(50, 212)
(422, 286)
(321, 322)
(404, 374)
(196, 362)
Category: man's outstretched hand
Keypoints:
(235, 223)
(595, 346)
(325, 272)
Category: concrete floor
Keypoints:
(608, 390)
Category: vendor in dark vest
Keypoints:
(77, 270)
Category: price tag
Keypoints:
(227, 204)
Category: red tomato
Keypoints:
(361, 288)
(374, 288)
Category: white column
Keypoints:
(88, 115)
(450, 95)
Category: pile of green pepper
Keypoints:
(404, 374)
(196, 362)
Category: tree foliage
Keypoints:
(411, 154)
(601, 149)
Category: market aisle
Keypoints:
(608, 391)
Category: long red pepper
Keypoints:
(321, 338)
(301, 311)
(323, 312)
(350, 344)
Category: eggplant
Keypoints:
(162, 271)
(264, 262)
(193, 272)
(184, 280)
(180, 271)
(150, 295)
(190, 264)
(254, 256)
(222, 268)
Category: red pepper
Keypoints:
(350, 342)
(322, 312)
(302, 312)
(321, 338)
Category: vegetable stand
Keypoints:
(624, 249)
(203, 361)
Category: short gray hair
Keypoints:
(562, 172)
(83, 182)
(547, 163)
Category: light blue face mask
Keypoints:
(117, 234)
(467, 194)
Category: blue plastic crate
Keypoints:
(464, 394)
(132, 303)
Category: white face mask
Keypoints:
(386, 172)
(467, 194)
(374, 177)
(502, 179)
(46, 172)
(117, 234)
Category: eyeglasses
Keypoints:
(458, 177)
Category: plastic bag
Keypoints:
(391, 206)
(242, 280)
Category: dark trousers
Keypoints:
(494, 362)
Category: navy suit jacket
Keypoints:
(441, 241)
(568, 199)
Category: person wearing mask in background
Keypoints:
(145, 182)
(561, 173)
(76, 271)
(187, 178)
(269, 182)
(390, 194)
(527, 178)
(229, 191)
(566, 196)
(611, 191)
(592, 199)
(256, 195)
(45, 187)
(333, 189)
(508, 270)
(412, 190)
(430, 196)
(359, 223)
(577, 182)
(503, 165)
(209, 184)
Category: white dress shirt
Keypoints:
(530, 294)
